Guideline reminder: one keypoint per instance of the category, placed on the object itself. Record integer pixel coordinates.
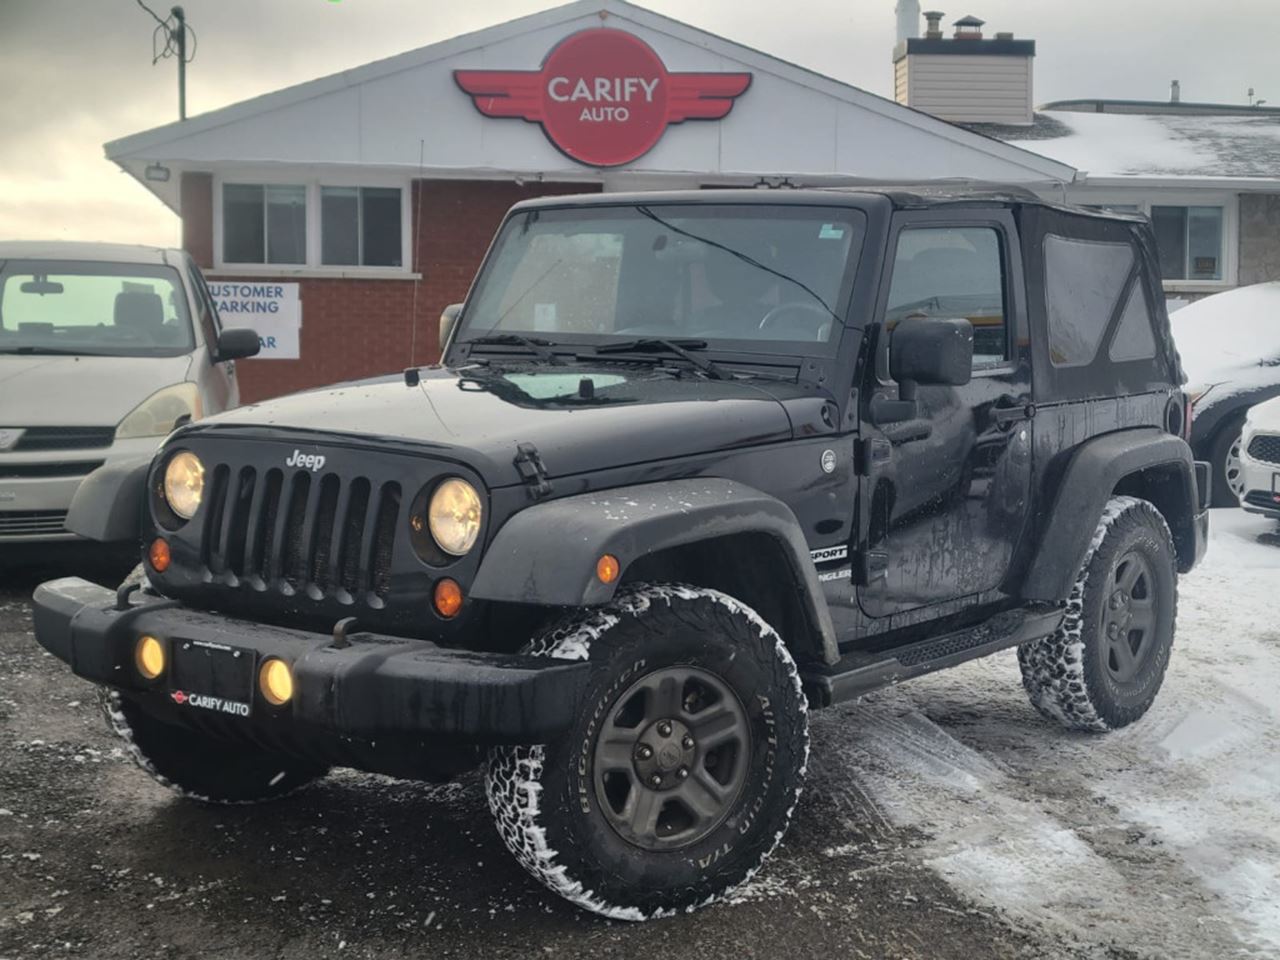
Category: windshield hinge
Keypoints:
(532, 471)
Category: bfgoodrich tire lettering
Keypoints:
(1074, 676)
(545, 800)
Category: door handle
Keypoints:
(1008, 411)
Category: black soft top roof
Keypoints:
(901, 196)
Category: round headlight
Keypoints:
(184, 484)
(454, 516)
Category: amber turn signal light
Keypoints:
(148, 656)
(448, 598)
(275, 680)
(607, 568)
(159, 555)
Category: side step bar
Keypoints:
(860, 672)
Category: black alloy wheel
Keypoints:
(1129, 617)
(670, 758)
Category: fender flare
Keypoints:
(546, 554)
(1089, 479)
(107, 506)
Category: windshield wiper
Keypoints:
(539, 346)
(681, 348)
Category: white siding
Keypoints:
(968, 89)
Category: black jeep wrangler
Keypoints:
(693, 464)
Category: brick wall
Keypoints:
(1259, 237)
(360, 328)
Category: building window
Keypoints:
(360, 226)
(264, 223)
(1189, 240)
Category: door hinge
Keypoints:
(869, 454)
(529, 465)
(869, 566)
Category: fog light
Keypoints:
(159, 555)
(275, 680)
(148, 656)
(607, 568)
(448, 598)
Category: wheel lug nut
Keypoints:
(664, 729)
(644, 751)
(687, 742)
(655, 780)
(682, 773)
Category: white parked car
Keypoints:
(104, 348)
(1230, 349)
(1260, 459)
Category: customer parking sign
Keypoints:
(272, 309)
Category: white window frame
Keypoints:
(312, 267)
(1145, 199)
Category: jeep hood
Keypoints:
(479, 416)
(84, 391)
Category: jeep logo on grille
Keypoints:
(305, 461)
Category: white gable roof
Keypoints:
(406, 113)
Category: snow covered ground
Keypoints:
(943, 820)
(1164, 837)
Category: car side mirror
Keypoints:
(924, 351)
(235, 343)
(448, 320)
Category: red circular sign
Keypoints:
(603, 96)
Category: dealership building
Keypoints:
(340, 216)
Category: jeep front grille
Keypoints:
(301, 533)
(1265, 447)
(27, 523)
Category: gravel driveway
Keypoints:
(943, 819)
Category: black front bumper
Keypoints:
(377, 685)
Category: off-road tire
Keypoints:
(194, 765)
(1068, 675)
(1226, 436)
(545, 799)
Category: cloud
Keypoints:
(77, 73)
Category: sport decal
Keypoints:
(603, 96)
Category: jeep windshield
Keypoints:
(745, 278)
(92, 309)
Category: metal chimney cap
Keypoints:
(968, 21)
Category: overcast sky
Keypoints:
(77, 73)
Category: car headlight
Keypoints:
(453, 516)
(184, 484)
(157, 415)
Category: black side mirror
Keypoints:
(928, 351)
(235, 343)
(932, 352)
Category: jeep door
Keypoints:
(943, 500)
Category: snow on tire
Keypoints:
(1102, 668)
(605, 815)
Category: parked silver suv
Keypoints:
(104, 349)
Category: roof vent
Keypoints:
(969, 28)
(933, 24)
(1004, 35)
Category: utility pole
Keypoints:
(180, 37)
(170, 39)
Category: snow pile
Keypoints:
(1231, 339)
(1163, 835)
